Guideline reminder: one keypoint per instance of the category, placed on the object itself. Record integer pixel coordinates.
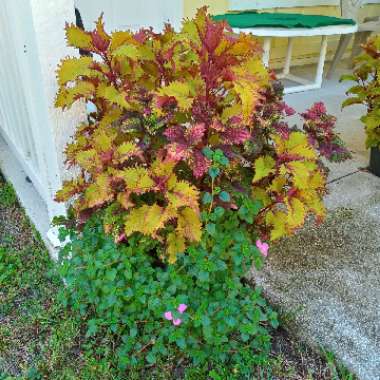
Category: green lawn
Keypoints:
(40, 339)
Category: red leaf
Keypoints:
(195, 133)
(175, 134)
(218, 126)
(201, 164)
(98, 42)
(236, 135)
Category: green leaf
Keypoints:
(151, 358)
(181, 343)
(205, 321)
(211, 228)
(208, 152)
(207, 198)
(213, 172)
(224, 196)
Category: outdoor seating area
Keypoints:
(190, 189)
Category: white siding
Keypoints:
(131, 14)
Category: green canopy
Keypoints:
(280, 20)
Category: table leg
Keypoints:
(321, 63)
(288, 59)
(266, 48)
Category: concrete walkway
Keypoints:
(326, 280)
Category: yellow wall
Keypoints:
(215, 6)
(306, 50)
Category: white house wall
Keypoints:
(37, 28)
(131, 14)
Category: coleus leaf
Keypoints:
(111, 94)
(71, 68)
(182, 92)
(146, 219)
(78, 38)
(175, 245)
(263, 167)
(137, 180)
(99, 192)
(67, 96)
(189, 224)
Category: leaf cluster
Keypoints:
(183, 122)
(125, 291)
(366, 90)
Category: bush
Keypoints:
(183, 117)
(196, 310)
(366, 91)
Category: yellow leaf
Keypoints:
(314, 202)
(317, 181)
(162, 168)
(261, 195)
(297, 144)
(296, 213)
(146, 219)
(278, 222)
(78, 38)
(183, 92)
(69, 189)
(113, 95)
(98, 192)
(103, 140)
(124, 200)
(88, 160)
(249, 97)
(120, 38)
(277, 185)
(175, 245)
(251, 78)
(228, 112)
(134, 52)
(183, 194)
(67, 96)
(263, 167)
(189, 224)
(300, 173)
(100, 28)
(110, 117)
(137, 180)
(71, 68)
(127, 150)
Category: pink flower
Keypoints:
(182, 308)
(263, 247)
(168, 315)
(177, 322)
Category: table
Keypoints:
(290, 26)
(291, 33)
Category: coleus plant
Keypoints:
(366, 91)
(184, 122)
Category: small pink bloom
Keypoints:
(182, 308)
(263, 247)
(177, 322)
(168, 315)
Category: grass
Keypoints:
(40, 339)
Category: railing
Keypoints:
(21, 116)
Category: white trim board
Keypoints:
(239, 5)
